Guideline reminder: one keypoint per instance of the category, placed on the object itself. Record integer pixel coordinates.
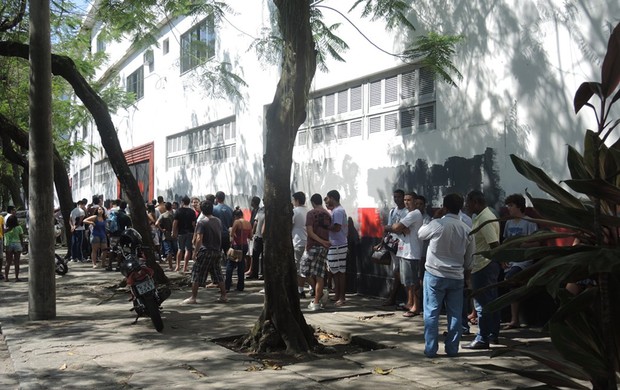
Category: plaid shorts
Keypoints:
(313, 261)
(207, 262)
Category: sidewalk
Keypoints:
(92, 344)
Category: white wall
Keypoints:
(521, 64)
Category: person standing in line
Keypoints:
(396, 214)
(484, 271)
(409, 253)
(169, 245)
(313, 261)
(14, 244)
(519, 226)
(77, 231)
(183, 230)
(239, 234)
(98, 236)
(448, 258)
(337, 254)
(257, 247)
(225, 215)
(254, 205)
(300, 236)
(207, 239)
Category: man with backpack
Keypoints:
(116, 223)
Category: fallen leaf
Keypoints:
(63, 367)
(381, 371)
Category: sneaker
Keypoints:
(262, 291)
(325, 298)
(314, 306)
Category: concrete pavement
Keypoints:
(92, 344)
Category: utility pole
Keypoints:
(41, 281)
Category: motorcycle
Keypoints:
(145, 295)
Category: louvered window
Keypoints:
(375, 93)
(343, 131)
(317, 135)
(302, 138)
(391, 122)
(407, 85)
(427, 82)
(343, 101)
(356, 98)
(427, 116)
(330, 101)
(356, 129)
(374, 125)
(330, 133)
(391, 89)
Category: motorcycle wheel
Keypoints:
(61, 266)
(153, 310)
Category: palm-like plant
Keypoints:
(586, 327)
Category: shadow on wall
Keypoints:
(457, 174)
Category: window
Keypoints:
(166, 46)
(85, 177)
(100, 44)
(197, 44)
(215, 142)
(135, 83)
(400, 103)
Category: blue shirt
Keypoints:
(225, 214)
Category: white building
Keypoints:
(374, 123)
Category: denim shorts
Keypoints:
(185, 242)
(98, 240)
(170, 247)
(409, 272)
(14, 247)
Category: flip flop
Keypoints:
(411, 314)
(221, 300)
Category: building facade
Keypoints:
(374, 123)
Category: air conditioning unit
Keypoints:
(148, 57)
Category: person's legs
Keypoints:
(488, 323)
(454, 308)
(16, 258)
(241, 274)
(433, 298)
(340, 281)
(230, 266)
(93, 253)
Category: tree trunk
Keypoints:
(65, 67)
(281, 322)
(42, 279)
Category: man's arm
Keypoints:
(315, 237)
(197, 240)
(175, 228)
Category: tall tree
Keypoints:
(42, 282)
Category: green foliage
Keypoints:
(585, 327)
(393, 12)
(435, 52)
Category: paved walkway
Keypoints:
(92, 344)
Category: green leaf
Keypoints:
(584, 93)
(597, 188)
(610, 72)
(544, 182)
(575, 339)
(548, 377)
(577, 165)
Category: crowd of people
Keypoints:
(436, 259)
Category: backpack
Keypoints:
(111, 224)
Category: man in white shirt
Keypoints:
(396, 214)
(449, 256)
(409, 252)
(299, 236)
(77, 231)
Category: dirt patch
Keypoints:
(331, 346)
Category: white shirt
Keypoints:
(410, 246)
(300, 236)
(450, 249)
(77, 213)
